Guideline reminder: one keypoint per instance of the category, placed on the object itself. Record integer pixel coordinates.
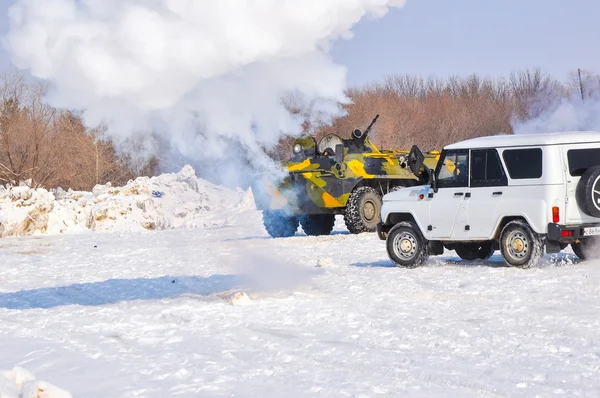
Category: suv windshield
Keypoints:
(453, 170)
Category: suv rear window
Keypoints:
(582, 159)
(486, 169)
(523, 163)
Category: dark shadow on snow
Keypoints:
(299, 234)
(495, 261)
(341, 233)
(435, 261)
(248, 238)
(377, 264)
(118, 290)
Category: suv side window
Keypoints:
(487, 169)
(582, 159)
(453, 169)
(523, 163)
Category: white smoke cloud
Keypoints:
(574, 106)
(568, 115)
(178, 67)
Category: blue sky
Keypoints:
(491, 37)
(445, 37)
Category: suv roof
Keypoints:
(512, 140)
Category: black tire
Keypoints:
(520, 245)
(280, 225)
(406, 245)
(475, 250)
(587, 192)
(363, 210)
(587, 249)
(319, 224)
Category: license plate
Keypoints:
(591, 231)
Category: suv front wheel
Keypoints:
(406, 246)
(520, 246)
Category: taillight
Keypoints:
(555, 215)
(566, 234)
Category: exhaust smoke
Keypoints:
(572, 107)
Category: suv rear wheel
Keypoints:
(587, 249)
(520, 246)
(406, 246)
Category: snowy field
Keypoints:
(155, 314)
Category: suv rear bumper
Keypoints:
(569, 233)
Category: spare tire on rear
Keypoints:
(588, 192)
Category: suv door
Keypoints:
(488, 185)
(447, 212)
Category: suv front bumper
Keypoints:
(571, 233)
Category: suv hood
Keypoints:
(407, 194)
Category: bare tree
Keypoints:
(51, 147)
(589, 84)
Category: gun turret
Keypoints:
(359, 135)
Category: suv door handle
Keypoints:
(459, 194)
(497, 193)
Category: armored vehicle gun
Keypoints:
(335, 176)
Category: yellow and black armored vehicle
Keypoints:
(337, 176)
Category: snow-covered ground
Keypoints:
(156, 314)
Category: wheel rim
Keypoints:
(369, 210)
(405, 246)
(517, 245)
(596, 193)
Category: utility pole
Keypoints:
(580, 84)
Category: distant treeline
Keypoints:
(433, 112)
(52, 147)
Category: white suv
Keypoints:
(521, 194)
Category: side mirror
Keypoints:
(339, 153)
(432, 180)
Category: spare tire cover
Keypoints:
(588, 192)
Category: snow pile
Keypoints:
(19, 383)
(179, 200)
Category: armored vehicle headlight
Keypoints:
(297, 149)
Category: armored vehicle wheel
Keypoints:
(475, 250)
(363, 210)
(520, 246)
(319, 224)
(406, 246)
(588, 192)
(587, 249)
(279, 224)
